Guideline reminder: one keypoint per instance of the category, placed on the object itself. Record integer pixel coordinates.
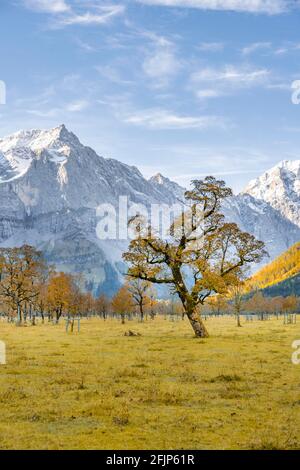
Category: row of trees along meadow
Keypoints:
(256, 306)
(31, 289)
(126, 306)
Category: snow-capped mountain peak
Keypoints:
(159, 179)
(280, 187)
(18, 150)
(168, 186)
(38, 140)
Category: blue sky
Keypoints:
(184, 87)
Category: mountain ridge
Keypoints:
(50, 189)
(280, 187)
(51, 186)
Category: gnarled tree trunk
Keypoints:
(197, 324)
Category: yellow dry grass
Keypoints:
(162, 390)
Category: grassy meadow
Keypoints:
(165, 389)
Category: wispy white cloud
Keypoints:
(65, 13)
(161, 62)
(102, 16)
(211, 82)
(48, 113)
(208, 93)
(185, 162)
(61, 96)
(158, 40)
(55, 112)
(85, 46)
(211, 46)
(161, 65)
(232, 76)
(281, 51)
(283, 86)
(256, 46)
(77, 106)
(48, 6)
(271, 48)
(161, 119)
(287, 47)
(112, 74)
(270, 7)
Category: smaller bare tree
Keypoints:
(139, 293)
(236, 298)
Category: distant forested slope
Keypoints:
(281, 276)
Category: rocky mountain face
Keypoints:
(259, 218)
(51, 187)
